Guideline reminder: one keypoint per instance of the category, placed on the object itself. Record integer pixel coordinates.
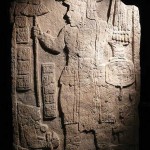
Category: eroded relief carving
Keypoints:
(75, 75)
(33, 133)
(49, 90)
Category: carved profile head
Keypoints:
(77, 11)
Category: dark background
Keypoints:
(5, 74)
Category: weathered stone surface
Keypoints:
(75, 75)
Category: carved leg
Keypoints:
(72, 137)
(103, 139)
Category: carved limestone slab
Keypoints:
(75, 75)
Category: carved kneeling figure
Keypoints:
(33, 133)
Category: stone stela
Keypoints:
(75, 68)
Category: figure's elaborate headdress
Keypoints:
(89, 4)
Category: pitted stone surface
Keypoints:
(75, 75)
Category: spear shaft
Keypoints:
(36, 64)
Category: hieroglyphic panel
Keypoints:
(23, 68)
(49, 90)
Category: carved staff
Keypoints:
(33, 10)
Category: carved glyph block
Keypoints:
(22, 35)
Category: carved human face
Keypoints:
(76, 14)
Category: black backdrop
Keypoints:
(5, 74)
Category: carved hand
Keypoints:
(36, 31)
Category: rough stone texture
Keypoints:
(75, 75)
